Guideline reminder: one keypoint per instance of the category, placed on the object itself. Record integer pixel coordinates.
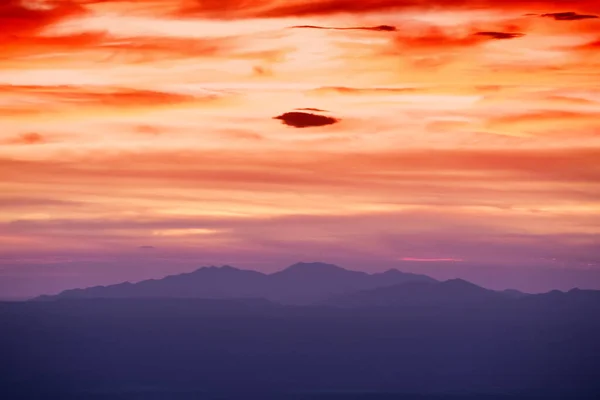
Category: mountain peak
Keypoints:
(223, 268)
(397, 272)
(391, 271)
(458, 282)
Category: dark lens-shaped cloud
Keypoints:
(379, 28)
(305, 120)
(569, 16)
(500, 35)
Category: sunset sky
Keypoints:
(140, 138)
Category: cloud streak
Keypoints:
(62, 98)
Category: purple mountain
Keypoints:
(301, 283)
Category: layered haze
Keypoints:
(453, 138)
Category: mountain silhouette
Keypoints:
(301, 283)
(456, 292)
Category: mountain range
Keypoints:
(310, 331)
(300, 284)
(327, 285)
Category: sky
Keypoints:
(457, 137)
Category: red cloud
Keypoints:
(590, 46)
(230, 9)
(21, 29)
(18, 20)
(21, 26)
(19, 17)
(436, 38)
(443, 43)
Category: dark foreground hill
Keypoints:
(537, 346)
(301, 283)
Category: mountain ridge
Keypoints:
(309, 283)
(300, 283)
(452, 292)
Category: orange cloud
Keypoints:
(27, 138)
(138, 48)
(592, 46)
(440, 41)
(59, 97)
(342, 90)
(326, 171)
(550, 121)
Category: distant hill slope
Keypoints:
(456, 292)
(301, 283)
